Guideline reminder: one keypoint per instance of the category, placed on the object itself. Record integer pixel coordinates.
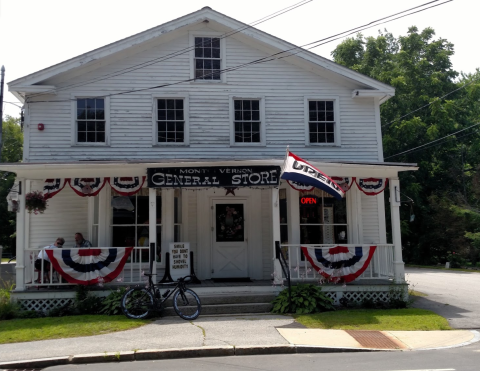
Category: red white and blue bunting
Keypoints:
(301, 187)
(126, 186)
(339, 263)
(372, 186)
(89, 266)
(344, 182)
(53, 186)
(87, 187)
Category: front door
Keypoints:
(230, 246)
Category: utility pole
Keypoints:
(1, 110)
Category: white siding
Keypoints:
(66, 214)
(370, 221)
(282, 84)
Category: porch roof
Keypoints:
(77, 169)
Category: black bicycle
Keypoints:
(140, 301)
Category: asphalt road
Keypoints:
(454, 359)
(454, 295)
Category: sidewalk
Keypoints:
(172, 337)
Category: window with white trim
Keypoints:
(90, 120)
(247, 122)
(321, 121)
(170, 120)
(207, 58)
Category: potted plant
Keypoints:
(35, 202)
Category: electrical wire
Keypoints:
(178, 52)
(264, 59)
(13, 104)
(433, 141)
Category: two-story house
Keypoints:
(178, 133)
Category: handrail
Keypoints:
(286, 272)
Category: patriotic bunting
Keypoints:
(344, 182)
(89, 266)
(52, 187)
(339, 263)
(372, 186)
(301, 171)
(300, 186)
(87, 187)
(126, 186)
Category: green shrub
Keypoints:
(8, 308)
(306, 298)
(30, 314)
(62, 311)
(111, 304)
(85, 301)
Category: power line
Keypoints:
(435, 100)
(433, 141)
(264, 59)
(178, 52)
(13, 104)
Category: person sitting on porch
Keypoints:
(80, 241)
(58, 244)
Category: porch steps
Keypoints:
(230, 304)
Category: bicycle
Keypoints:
(139, 302)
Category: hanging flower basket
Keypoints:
(35, 202)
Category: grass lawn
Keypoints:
(20, 330)
(376, 319)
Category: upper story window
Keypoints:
(247, 121)
(321, 121)
(170, 121)
(90, 120)
(207, 58)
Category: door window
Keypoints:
(229, 223)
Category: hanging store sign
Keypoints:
(215, 176)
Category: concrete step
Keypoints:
(229, 304)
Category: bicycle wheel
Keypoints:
(187, 304)
(137, 303)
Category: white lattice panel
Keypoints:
(43, 305)
(359, 296)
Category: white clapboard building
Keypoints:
(178, 135)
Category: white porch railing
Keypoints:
(380, 267)
(137, 262)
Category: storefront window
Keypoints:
(177, 216)
(323, 219)
(283, 216)
(130, 220)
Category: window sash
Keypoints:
(321, 121)
(170, 120)
(207, 60)
(90, 120)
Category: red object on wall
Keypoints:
(41, 127)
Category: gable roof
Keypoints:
(32, 82)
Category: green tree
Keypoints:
(12, 151)
(419, 68)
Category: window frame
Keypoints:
(186, 117)
(336, 112)
(223, 54)
(73, 110)
(261, 99)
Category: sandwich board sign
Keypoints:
(179, 259)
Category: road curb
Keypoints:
(155, 354)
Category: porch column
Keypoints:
(398, 264)
(277, 268)
(152, 223)
(20, 266)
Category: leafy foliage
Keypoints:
(8, 308)
(446, 188)
(85, 301)
(306, 298)
(111, 304)
(11, 151)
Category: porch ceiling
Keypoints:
(78, 169)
